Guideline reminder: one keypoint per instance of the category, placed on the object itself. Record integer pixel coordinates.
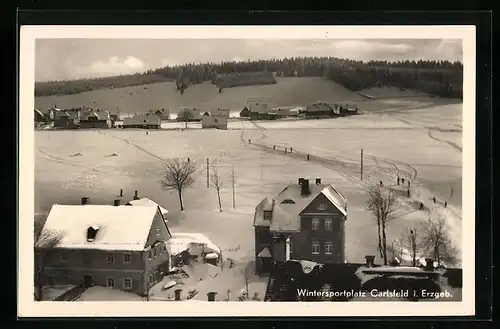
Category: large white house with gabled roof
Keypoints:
(305, 221)
(120, 247)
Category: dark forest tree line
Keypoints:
(441, 78)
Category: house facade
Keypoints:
(95, 119)
(245, 113)
(320, 110)
(146, 121)
(64, 120)
(161, 113)
(304, 222)
(217, 119)
(189, 114)
(119, 247)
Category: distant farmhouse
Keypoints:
(161, 113)
(189, 115)
(146, 121)
(245, 113)
(260, 111)
(287, 112)
(303, 222)
(325, 110)
(216, 119)
(65, 120)
(119, 247)
(95, 119)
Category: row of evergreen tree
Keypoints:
(435, 77)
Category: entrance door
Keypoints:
(87, 280)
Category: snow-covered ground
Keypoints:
(414, 144)
(100, 294)
(51, 292)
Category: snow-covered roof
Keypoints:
(148, 202)
(119, 227)
(183, 241)
(286, 216)
(265, 253)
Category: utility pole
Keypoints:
(361, 164)
(208, 175)
(232, 179)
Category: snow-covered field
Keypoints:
(422, 144)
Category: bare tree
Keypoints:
(411, 242)
(216, 178)
(186, 114)
(381, 202)
(179, 174)
(437, 241)
(44, 241)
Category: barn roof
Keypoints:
(120, 227)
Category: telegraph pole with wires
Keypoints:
(361, 164)
(233, 183)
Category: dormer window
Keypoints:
(267, 215)
(92, 232)
(288, 201)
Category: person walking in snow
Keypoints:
(274, 147)
(249, 141)
(408, 192)
(291, 149)
(402, 180)
(434, 199)
(308, 157)
(381, 184)
(409, 183)
(421, 206)
(398, 180)
(445, 204)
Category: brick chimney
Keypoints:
(318, 181)
(301, 180)
(136, 195)
(370, 260)
(85, 200)
(116, 203)
(305, 188)
(211, 296)
(178, 294)
(429, 264)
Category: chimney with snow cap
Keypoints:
(318, 181)
(136, 195)
(370, 260)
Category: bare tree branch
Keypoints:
(381, 202)
(178, 175)
(216, 179)
(437, 241)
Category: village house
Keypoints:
(261, 111)
(161, 113)
(50, 113)
(304, 222)
(39, 117)
(320, 110)
(65, 120)
(142, 120)
(95, 119)
(245, 113)
(288, 111)
(189, 115)
(115, 246)
(216, 119)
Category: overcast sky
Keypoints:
(57, 59)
